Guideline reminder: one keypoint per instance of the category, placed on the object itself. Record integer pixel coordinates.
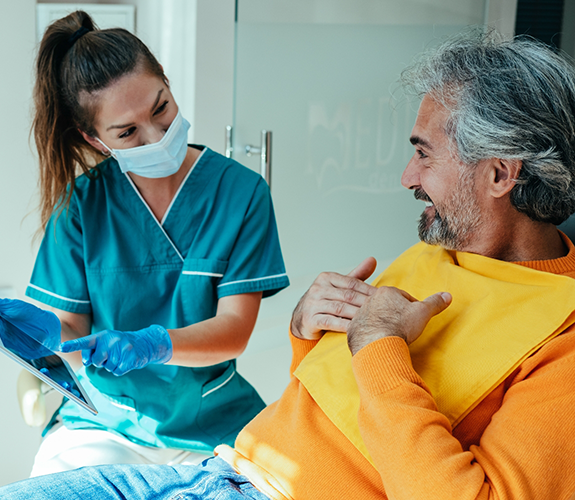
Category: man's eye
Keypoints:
(161, 108)
(421, 153)
(127, 133)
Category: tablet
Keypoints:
(48, 367)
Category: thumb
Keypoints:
(437, 302)
(364, 270)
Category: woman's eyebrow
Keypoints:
(157, 99)
(130, 124)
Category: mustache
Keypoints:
(420, 194)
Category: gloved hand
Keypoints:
(121, 352)
(20, 322)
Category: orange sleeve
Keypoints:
(300, 348)
(526, 450)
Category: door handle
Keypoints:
(229, 141)
(265, 152)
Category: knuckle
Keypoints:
(352, 283)
(338, 308)
(324, 322)
(325, 276)
(349, 296)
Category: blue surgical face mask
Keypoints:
(160, 159)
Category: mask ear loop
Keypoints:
(108, 151)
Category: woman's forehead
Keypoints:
(131, 96)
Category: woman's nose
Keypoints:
(152, 134)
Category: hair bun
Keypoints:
(79, 33)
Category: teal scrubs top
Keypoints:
(108, 256)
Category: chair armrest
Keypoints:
(31, 399)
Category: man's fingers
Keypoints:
(329, 283)
(364, 270)
(338, 308)
(437, 302)
(332, 323)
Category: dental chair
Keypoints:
(32, 398)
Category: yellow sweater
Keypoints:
(516, 444)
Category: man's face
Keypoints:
(437, 177)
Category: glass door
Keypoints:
(322, 75)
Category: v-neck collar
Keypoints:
(181, 186)
(131, 182)
(151, 227)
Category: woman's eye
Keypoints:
(161, 108)
(127, 133)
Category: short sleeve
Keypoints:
(255, 262)
(59, 278)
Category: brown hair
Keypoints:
(72, 66)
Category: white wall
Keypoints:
(501, 15)
(17, 190)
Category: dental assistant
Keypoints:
(155, 258)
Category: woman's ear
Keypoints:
(503, 175)
(92, 141)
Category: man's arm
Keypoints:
(523, 453)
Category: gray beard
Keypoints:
(461, 217)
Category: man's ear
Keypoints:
(503, 175)
(94, 143)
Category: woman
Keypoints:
(155, 260)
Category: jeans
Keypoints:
(214, 479)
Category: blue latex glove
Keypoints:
(121, 352)
(20, 322)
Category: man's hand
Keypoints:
(393, 312)
(332, 301)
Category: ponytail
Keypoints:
(75, 61)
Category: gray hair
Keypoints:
(512, 100)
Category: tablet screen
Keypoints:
(46, 365)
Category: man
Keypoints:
(455, 379)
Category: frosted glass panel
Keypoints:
(429, 12)
(320, 75)
(340, 141)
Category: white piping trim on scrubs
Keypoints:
(123, 407)
(219, 386)
(254, 279)
(153, 216)
(201, 273)
(181, 186)
(58, 296)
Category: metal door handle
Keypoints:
(265, 152)
(229, 141)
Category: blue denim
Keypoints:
(214, 479)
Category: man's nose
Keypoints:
(410, 176)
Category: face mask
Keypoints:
(160, 159)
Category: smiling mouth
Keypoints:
(421, 195)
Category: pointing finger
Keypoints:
(78, 344)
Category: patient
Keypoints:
(456, 376)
